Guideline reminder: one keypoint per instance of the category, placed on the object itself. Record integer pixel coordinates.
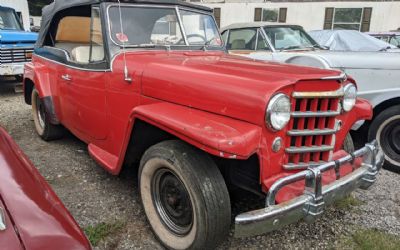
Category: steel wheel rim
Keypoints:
(388, 139)
(40, 112)
(172, 202)
(391, 135)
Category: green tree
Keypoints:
(35, 6)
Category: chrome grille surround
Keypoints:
(312, 130)
(15, 55)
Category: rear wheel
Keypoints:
(385, 128)
(44, 128)
(184, 196)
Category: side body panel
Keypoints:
(377, 85)
(84, 101)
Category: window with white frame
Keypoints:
(270, 15)
(348, 18)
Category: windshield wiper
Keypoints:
(290, 48)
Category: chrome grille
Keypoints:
(15, 55)
(312, 128)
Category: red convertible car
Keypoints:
(147, 84)
(32, 217)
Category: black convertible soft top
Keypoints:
(52, 9)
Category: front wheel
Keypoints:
(184, 196)
(44, 128)
(385, 128)
(348, 144)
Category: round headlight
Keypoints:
(278, 112)
(350, 97)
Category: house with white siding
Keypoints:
(370, 15)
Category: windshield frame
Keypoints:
(315, 44)
(14, 13)
(177, 10)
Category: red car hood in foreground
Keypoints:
(34, 215)
(217, 82)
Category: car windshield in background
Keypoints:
(290, 38)
(9, 20)
(395, 41)
(150, 26)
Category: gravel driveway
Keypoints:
(94, 197)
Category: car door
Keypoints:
(84, 80)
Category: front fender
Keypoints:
(218, 135)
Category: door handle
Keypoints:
(66, 77)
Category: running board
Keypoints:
(108, 161)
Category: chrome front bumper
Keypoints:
(311, 204)
(11, 69)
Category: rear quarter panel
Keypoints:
(376, 85)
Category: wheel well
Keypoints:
(386, 104)
(144, 135)
(244, 174)
(359, 136)
(28, 88)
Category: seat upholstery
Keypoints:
(73, 36)
(72, 32)
(238, 44)
(73, 29)
(81, 54)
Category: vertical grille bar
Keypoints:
(312, 128)
(300, 126)
(321, 125)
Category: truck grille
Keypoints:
(15, 55)
(312, 128)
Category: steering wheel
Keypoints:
(192, 35)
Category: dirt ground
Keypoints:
(108, 207)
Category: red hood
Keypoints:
(216, 82)
(37, 215)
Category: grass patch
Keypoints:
(372, 239)
(101, 231)
(348, 203)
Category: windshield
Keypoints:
(161, 26)
(395, 41)
(9, 20)
(289, 38)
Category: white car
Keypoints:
(376, 73)
(351, 40)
